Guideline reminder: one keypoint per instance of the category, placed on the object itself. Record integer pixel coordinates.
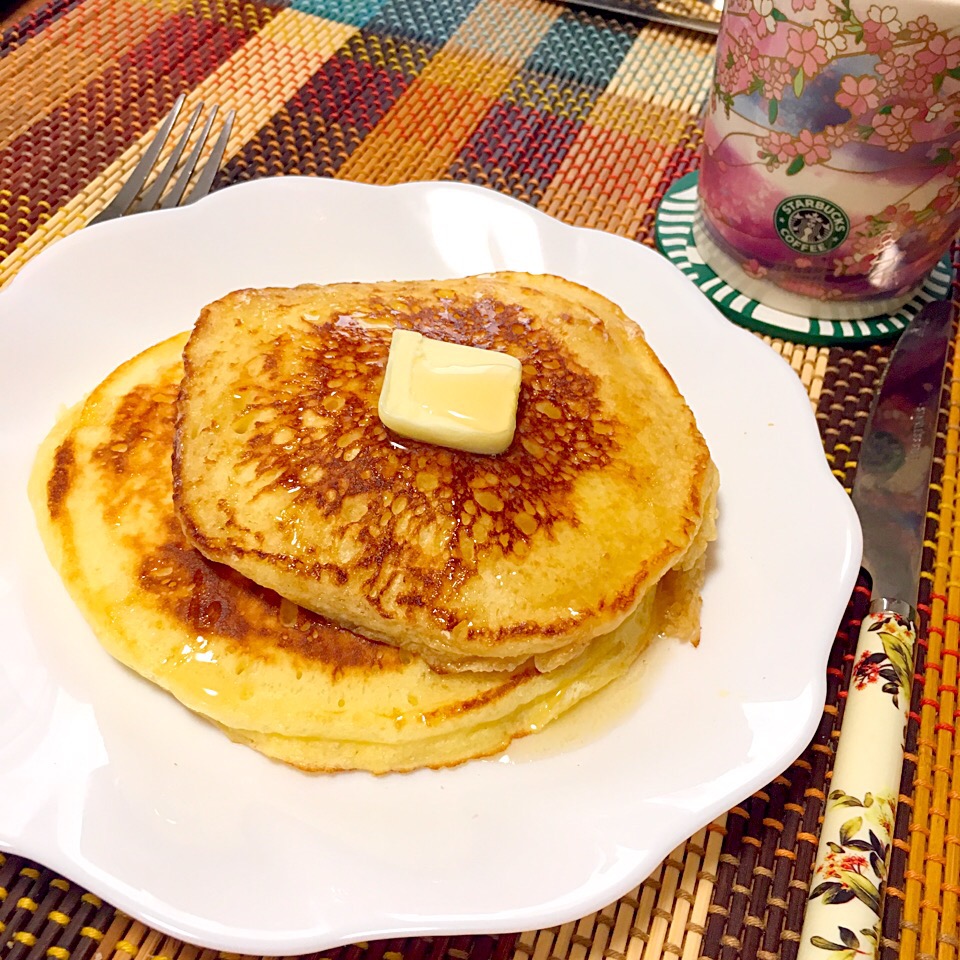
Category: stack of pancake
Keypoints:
(239, 527)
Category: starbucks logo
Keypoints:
(811, 224)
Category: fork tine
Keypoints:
(149, 200)
(202, 187)
(190, 164)
(134, 183)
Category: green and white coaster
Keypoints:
(674, 236)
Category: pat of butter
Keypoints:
(449, 394)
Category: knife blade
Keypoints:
(648, 10)
(890, 492)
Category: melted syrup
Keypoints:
(596, 716)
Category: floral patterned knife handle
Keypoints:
(843, 910)
(890, 492)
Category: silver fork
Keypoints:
(133, 198)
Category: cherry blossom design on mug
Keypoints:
(853, 106)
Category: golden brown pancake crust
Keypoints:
(172, 576)
(272, 675)
(283, 470)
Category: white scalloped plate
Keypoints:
(110, 781)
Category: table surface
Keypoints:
(589, 118)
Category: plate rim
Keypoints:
(314, 939)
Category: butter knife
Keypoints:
(648, 10)
(890, 494)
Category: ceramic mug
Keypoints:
(830, 172)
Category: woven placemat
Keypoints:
(589, 119)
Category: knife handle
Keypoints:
(844, 906)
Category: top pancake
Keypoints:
(283, 470)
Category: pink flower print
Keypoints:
(922, 28)
(762, 13)
(868, 244)
(804, 51)
(892, 223)
(812, 147)
(858, 94)
(885, 15)
(857, 263)
(940, 54)
(836, 135)
(799, 5)
(831, 37)
(735, 65)
(735, 78)
(879, 29)
(774, 78)
(894, 127)
(779, 147)
(916, 79)
(946, 199)
(761, 26)
(892, 66)
(893, 212)
(877, 37)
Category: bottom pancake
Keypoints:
(272, 675)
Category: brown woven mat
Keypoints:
(588, 119)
